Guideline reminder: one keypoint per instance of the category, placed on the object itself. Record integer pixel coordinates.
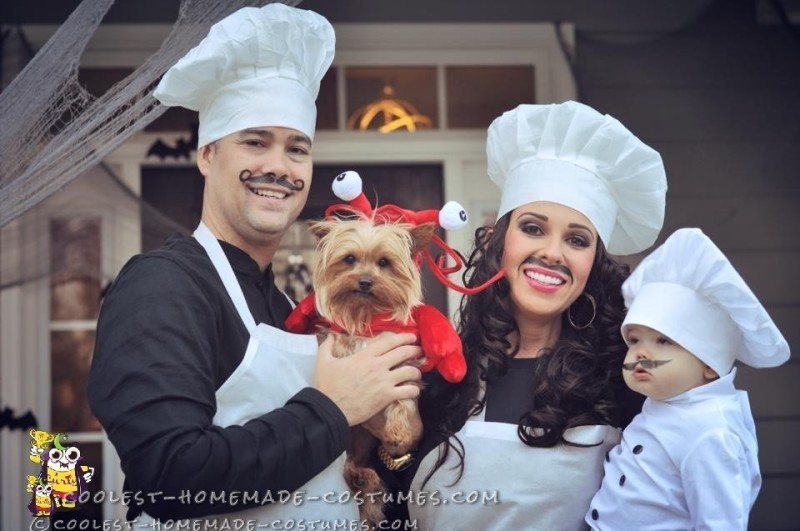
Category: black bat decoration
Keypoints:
(182, 149)
(8, 420)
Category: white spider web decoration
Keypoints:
(52, 130)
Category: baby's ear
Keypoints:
(320, 228)
(422, 235)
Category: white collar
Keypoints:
(721, 386)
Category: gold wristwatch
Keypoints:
(395, 463)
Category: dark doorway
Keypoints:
(173, 200)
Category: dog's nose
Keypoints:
(364, 283)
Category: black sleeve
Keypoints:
(152, 386)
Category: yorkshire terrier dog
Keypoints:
(364, 278)
(367, 282)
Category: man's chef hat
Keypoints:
(687, 290)
(570, 154)
(257, 67)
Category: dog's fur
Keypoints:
(366, 268)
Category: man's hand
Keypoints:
(372, 378)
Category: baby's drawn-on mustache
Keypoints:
(646, 364)
(246, 176)
(555, 267)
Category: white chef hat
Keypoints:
(257, 67)
(570, 154)
(687, 290)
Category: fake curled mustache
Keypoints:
(246, 176)
(646, 364)
(555, 267)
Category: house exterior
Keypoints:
(713, 86)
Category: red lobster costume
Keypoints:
(436, 335)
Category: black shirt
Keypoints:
(510, 396)
(168, 337)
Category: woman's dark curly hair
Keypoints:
(577, 382)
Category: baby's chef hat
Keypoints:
(570, 154)
(687, 290)
(257, 67)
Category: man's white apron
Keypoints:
(511, 485)
(275, 367)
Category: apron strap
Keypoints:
(204, 236)
(288, 298)
(480, 417)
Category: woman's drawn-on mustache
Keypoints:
(646, 364)
(246, 176)
(555, 267)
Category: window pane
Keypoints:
(69, 371)
(326, 102)
(476, 95)
(413, 88)
(74, 268)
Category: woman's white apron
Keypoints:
(509, 485)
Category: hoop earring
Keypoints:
(594, 313)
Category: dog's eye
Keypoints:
(383, 262)
(350, 259)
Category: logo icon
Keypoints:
(61, 480)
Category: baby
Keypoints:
(689, 459)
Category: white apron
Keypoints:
(275, 367)
(545, 489)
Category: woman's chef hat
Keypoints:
(570, 154)
(687, 290)
(257, 67)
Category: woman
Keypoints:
(525, 434)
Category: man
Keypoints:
(203, 394)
